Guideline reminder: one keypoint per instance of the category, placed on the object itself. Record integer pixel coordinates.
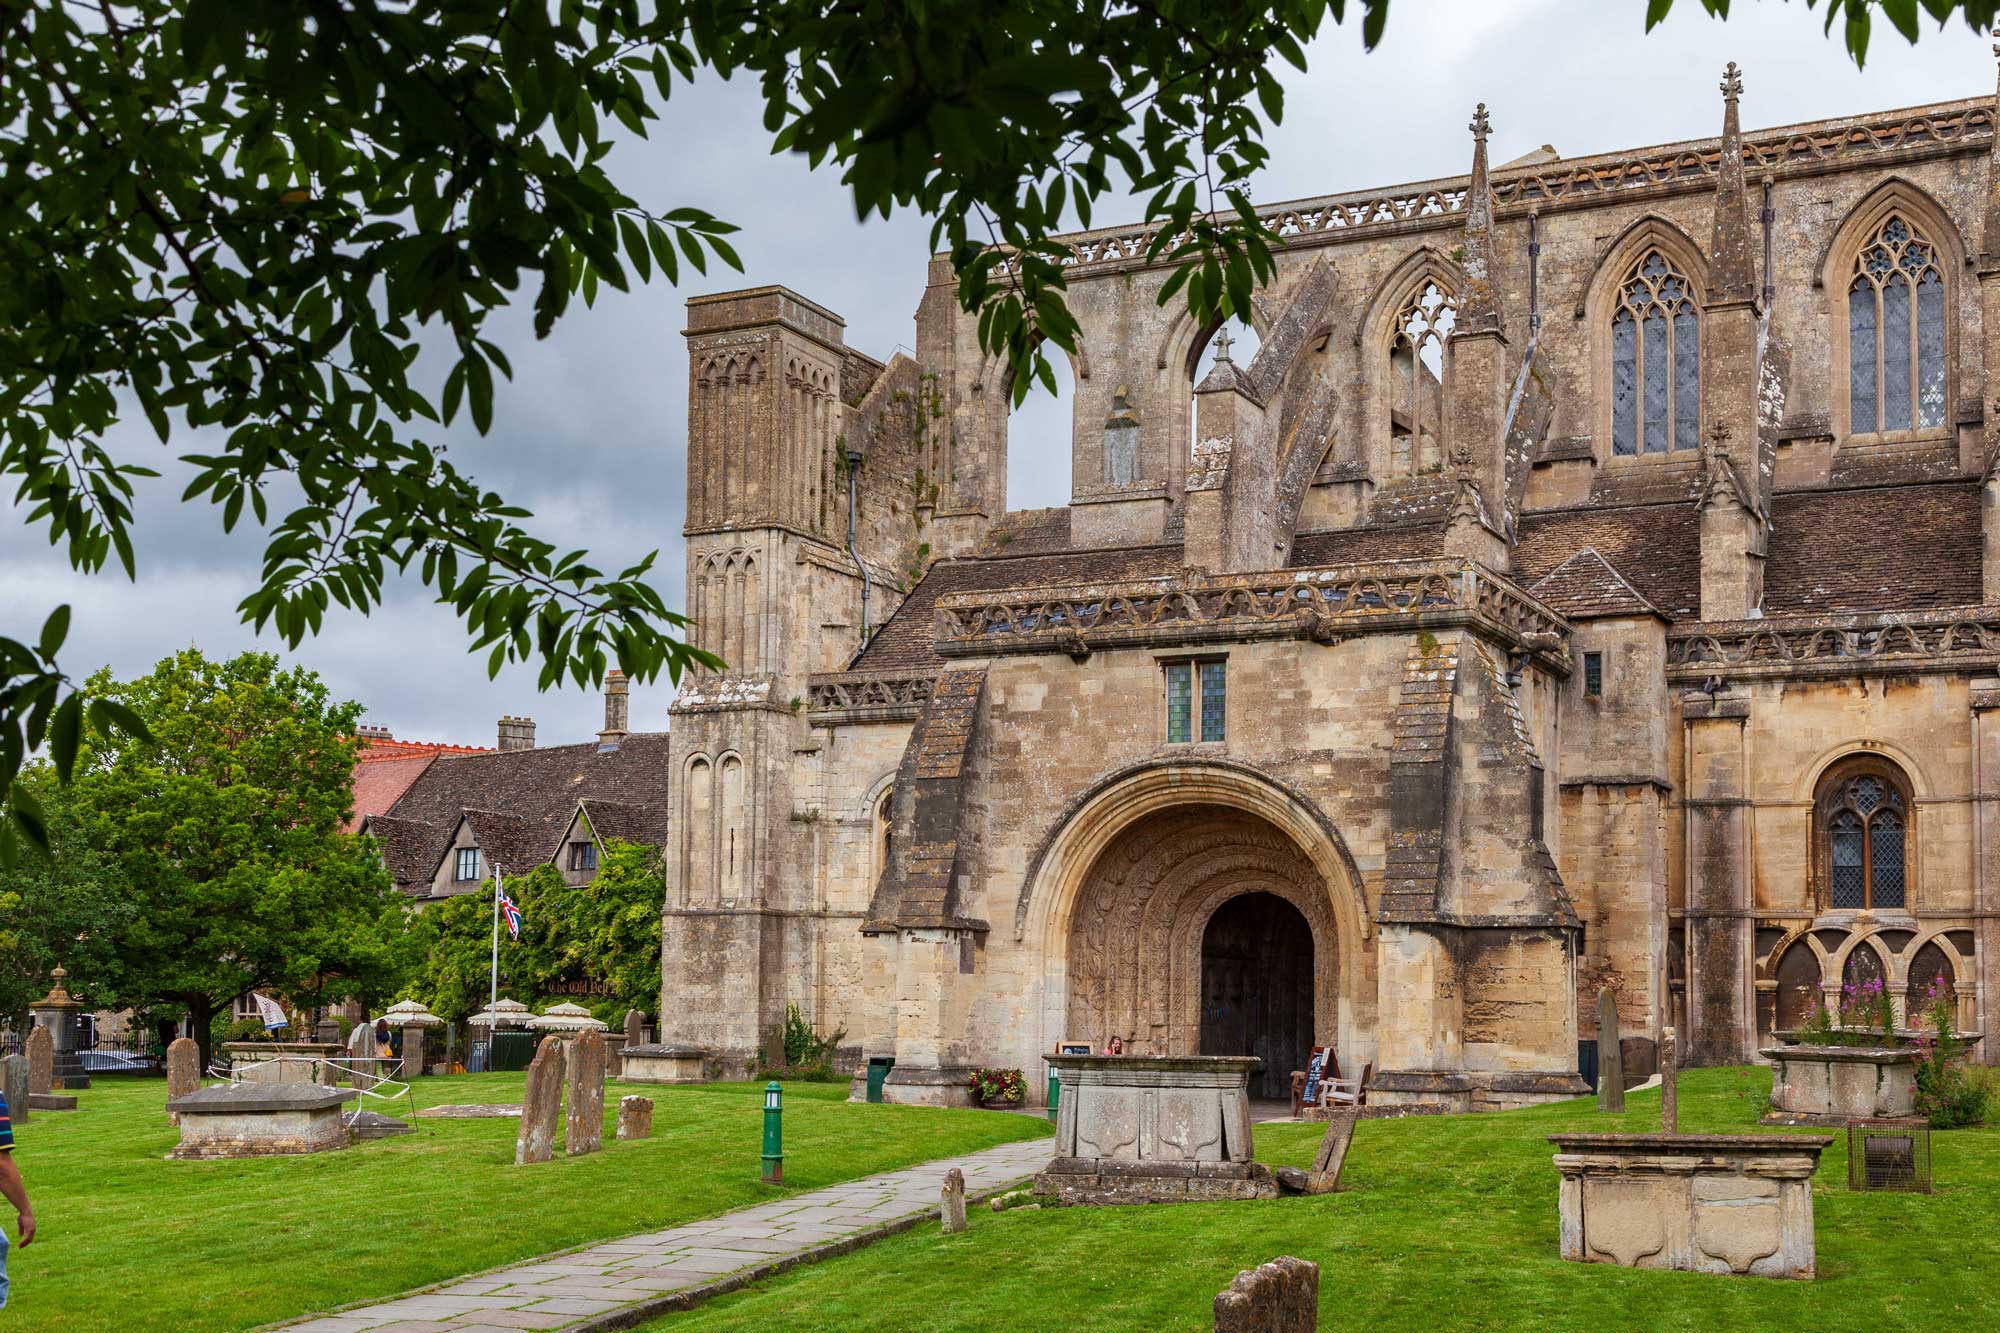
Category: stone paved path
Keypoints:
(558, 1291)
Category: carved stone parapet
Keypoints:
(1321, 604)
(1951, 639)
(836, 697)
(726, 693)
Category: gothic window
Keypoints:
(1655, 362)
(1799, 995)
(1930, 981)
(1417, 375)
(1895, 333)
(1863, 817)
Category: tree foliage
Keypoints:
(264, 222)
(223, 830)
(605, 931)
(62, 908)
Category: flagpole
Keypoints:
(493, 1001)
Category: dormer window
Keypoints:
(583, 855)
(468, 864)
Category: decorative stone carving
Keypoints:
(541, 1104)
(584, 1130)
(1957, 640)
(1121, 441)
(1279, 1297)
(1699, 1203)
(635, 1117)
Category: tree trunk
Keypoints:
(201, 1017)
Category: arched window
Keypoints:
(1417, 380)
(1655, 361)
(1931, 980)
(1863, 817)
(1895, 333)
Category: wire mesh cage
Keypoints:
(1889, 1155)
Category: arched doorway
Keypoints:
(1257, 987)
(1183, 900)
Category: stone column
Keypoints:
(1720, 1007)
(1985, 726)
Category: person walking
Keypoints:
(16, 1193)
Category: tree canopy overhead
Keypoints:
(255, 217)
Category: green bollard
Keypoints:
(774, 1133)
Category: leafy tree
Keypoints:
(64, 908)
(224, 829)
(254, 217)
(453, 942)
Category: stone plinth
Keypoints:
(1699, 1203)
(1153, 1129)
(1841, 1083)
(282, 1061)
(635, 1117)
(657, 1063)
(260, 1120)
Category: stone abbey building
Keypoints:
(1593, 579)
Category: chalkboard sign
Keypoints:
(1315, 1066)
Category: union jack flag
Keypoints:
(512, 913)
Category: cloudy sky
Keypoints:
(591, 435)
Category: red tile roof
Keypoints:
(380, 782)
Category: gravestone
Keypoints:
(584, 1131)
(952, 1202)
(41, 1061)
(14, 1079)
(360, 1051)
(1610, 1055)
(541, 1104)
(260, 1120)
(413, 1051)
(1325, 1175)
(1279, 1297)
(183, 1067)
(635, 1027)
(1670, 1093)
(635, 1117)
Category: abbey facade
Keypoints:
(1592, 580)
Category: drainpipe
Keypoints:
(854, 467)
(1534, 275)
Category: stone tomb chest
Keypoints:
(1841, 1083)
(651, 1062)
(1153, 1129)
(260, 1120)
(1700, 1203)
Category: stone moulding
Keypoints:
(1954, 639)
(1153, 1129)
(835, 697)
(1786, 151)
(1841, 1083)
(1322, 603)
(1698, 1203)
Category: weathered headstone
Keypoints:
(1325, 1175)
(585, 1129)
(952, 1202)
(14, 1078)
(41, 1061)
(541, 1104)
(360, 1051)
(635, 1027)
(1610, 1054)
(635, 1117)
(1279, 1297)
(1670, 1096)
(413, 1051)
(183, 1069)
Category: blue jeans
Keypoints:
(3, 1270)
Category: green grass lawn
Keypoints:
(131, 1241)
(1445, 1224)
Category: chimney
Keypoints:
(615, 708)
(367, 733)
(517, 733)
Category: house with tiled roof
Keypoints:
(1579, 575)
(385, 768)
(519, 806)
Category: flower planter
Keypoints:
(1000, 1103)
(1840, 1083)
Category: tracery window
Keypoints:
(1655, 361)
(1863, 820)
(1417, 360)
(1896, 333)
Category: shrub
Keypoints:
(1948, 1095)
(998, 1085)
(1867, 1018)
(808, 1056)
(248, 1029)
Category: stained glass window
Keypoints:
(1865, 823)
(1417, 366)
(1896, 355)
(1655, 362)
(1180, 701)
(1214, 684)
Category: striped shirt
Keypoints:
(6, 1126)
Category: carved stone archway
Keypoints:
(1135, 935)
